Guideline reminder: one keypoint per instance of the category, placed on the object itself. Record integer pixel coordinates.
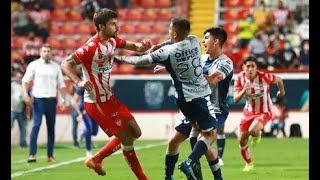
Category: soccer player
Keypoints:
(218, 69)
(91, 127)
(96, 58)
(182, 59)
(254, 85)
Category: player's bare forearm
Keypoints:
(214, 78)
(138, 46)
(25, 88)
(68, 67)
(237, 96)
(280, 85)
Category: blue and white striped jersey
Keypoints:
(224, 65)
(183, 61)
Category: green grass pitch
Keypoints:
(276, 159)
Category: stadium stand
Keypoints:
(150, 19)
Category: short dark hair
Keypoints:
(250, 58)
(182, 26)
(217, 32)
(103, 15)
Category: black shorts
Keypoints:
(199, 111)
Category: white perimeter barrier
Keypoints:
(154, 125)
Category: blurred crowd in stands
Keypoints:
(277, 32)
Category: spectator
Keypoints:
(247, 29)
(280, 114)
(303, 29)
(298, 15)
(47, 79)
(125, 4)
(40, 18)
(46, 4)
(18, 107)
(257, 47)
(88, 8)
(21, 22)
(110, 4)
(260, 15)
(287, 58)
(281, 17)
(304, 55)
(31, 48)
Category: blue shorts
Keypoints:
(198, 111)
(185, 126)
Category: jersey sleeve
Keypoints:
(224, 67)
(160, 55)
(29, 75)
(120, 43)
(237, 83)
(268, 77)
(85, 53)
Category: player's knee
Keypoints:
(220, 131)
(254, 132)
(174, 143)
(136, 133)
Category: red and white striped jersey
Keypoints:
(96, 59)
(281, 16)
(258, 96)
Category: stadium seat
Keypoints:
(17, 42)
(165, 14)
(55, 27)
(122, 14)
(73, 3)
(59, 15)
(68, 42)
(149, 14)
(127, 28)
(163, 3)
(248, 3)
(231, 27)
(54, 42)
(232, 3)
(134, 14)
(83, 28)
(74, 15)
(230, 14)
(148, 3)
(68, 28)
(16, 55)
(144, 27)
(243, 13)
(59, 4)
(160, 27)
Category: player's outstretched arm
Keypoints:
(138, 46)
(136, 60)
(281, 92)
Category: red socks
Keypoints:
(245, 153)
(112, 146)
(134, 164)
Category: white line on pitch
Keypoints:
(20, 173)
